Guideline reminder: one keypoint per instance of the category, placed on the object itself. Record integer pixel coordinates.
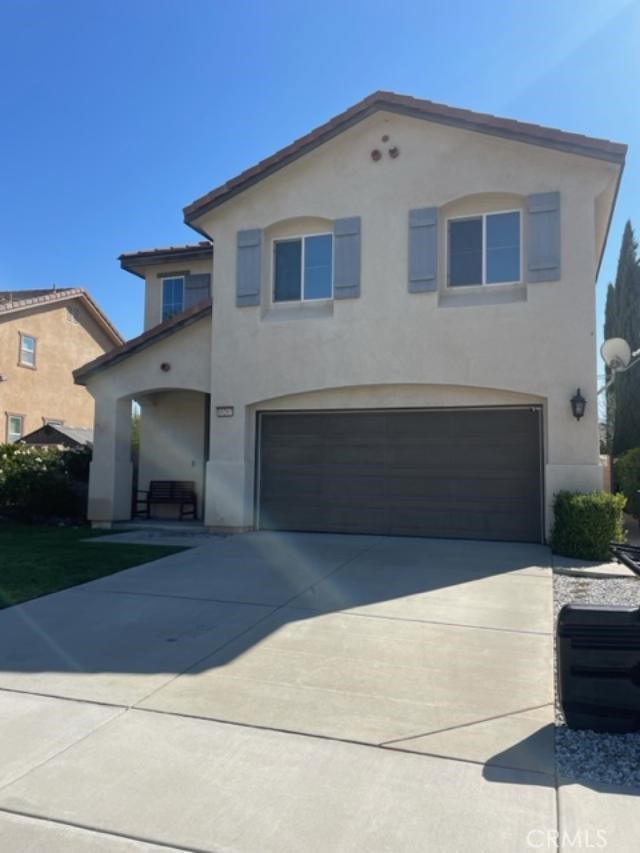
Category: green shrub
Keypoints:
(585, 524)
(627, 470)
(37, 482)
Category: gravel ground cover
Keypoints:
(586, 756)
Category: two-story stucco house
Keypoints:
(403, 307)
(44, 336)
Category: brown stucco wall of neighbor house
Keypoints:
(48, 391)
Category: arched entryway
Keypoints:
(167, 373)
(173, 443)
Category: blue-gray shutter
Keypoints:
(248, 273)
(543, 237)
(197, 288)
(423, 249)
(346, 265)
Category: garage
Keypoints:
(460, 473)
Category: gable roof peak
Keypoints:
(532, 134)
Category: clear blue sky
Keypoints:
(117, 113)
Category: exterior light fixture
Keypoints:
(578, 405)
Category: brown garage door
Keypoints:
(468, 473)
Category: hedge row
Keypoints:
(40, 482)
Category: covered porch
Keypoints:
(166, 374)
(174, 446)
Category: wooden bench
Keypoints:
(181, 492)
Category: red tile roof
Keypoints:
(533, 134)
(12, 301)
(151, 336)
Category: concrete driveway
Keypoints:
(285, 692)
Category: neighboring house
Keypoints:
(60, 436)
(403, 307)
(44, 336)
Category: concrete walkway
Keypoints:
(282, 692)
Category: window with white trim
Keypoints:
(303, 268)
(172, 296)
(484, 249)
(27, 350)
(15, 427)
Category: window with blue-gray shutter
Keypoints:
(302, 268)
(484, 249)
(543, 237)
(248, 267)
(197, 289)
(423, 249)
(346, 269)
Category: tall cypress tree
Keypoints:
(610, 331)
(622, 320)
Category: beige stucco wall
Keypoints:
(153, 276)
(172, 430)
(48, 392)
(536, 340)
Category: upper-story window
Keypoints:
(484, 249)
(172, 296)
(27, 351)
(303, 268)
(15, 427)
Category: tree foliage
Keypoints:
(610, 332)
(43, 482)
(622, 320)
(628, 478)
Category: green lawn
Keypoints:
(38, 559)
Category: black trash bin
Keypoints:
(599, 667)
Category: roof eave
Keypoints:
(142, 342)
(136, 261)
(130, 268)
(200, 206)
(424, 110)
(101, 319)
(612, 208)
(64, 296)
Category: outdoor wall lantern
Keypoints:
(578, 405)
